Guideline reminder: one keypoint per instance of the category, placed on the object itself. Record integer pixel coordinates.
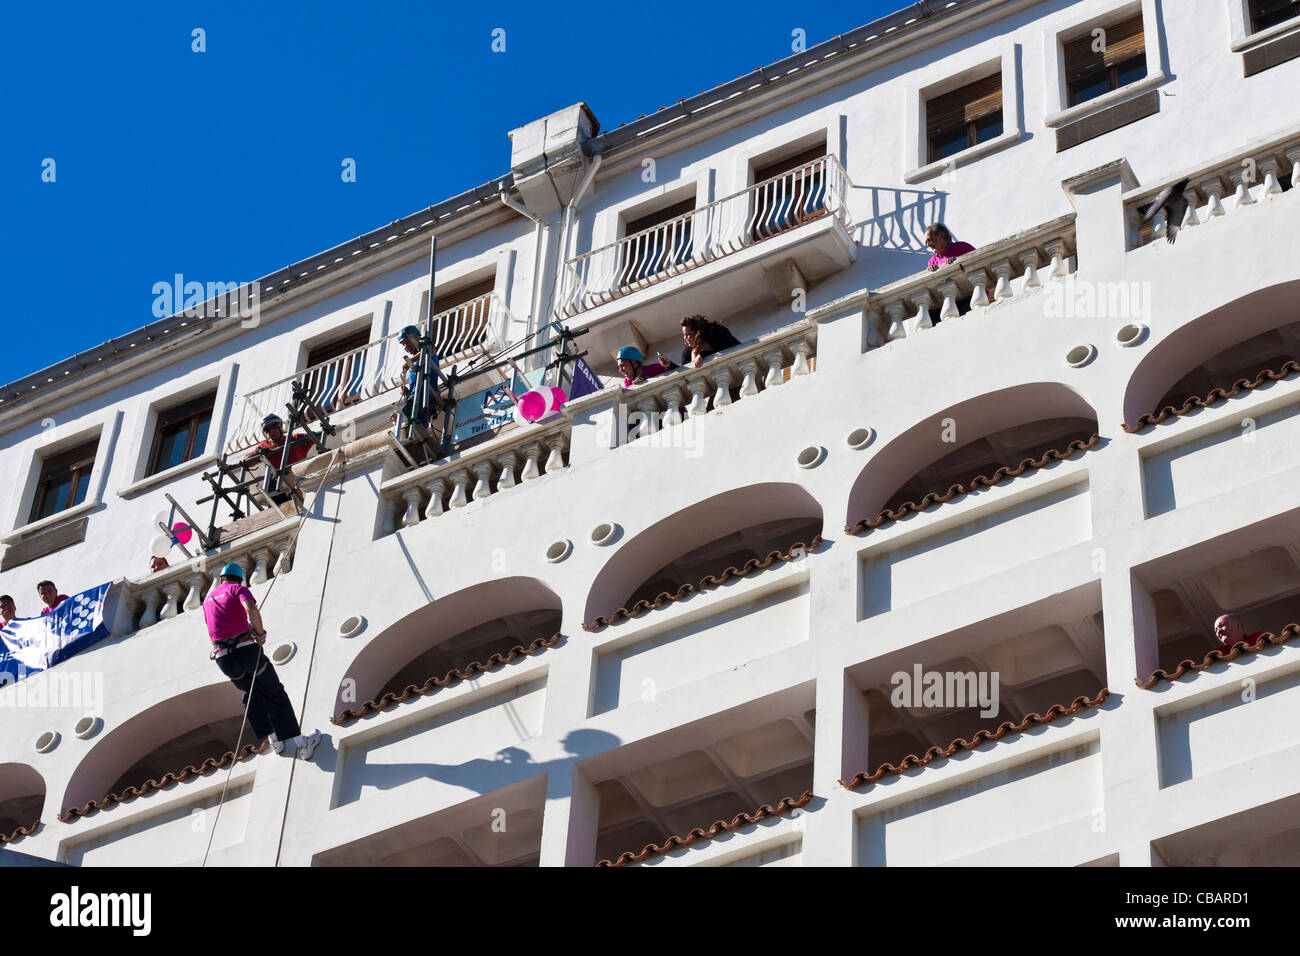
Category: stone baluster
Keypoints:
(1002, 269)
(284, 558)
(174, 591)
(532, 455)
(699, 389)
(649, 409)
(897, 313)
(775, 361)
(483, 480)
(1190, 218)
(506, 465)
(1057, 250)
(1029, 260)
(411, 516)
(1241, 197)
(802, 351)
(1214, 189)
(673, 399)
(261, 567)
(194, 599)
(921, 318)
(948, 289)
(1270, 168)
(979, 297)
(152, 598)
(722, 378)
(1293, 154)
(437, 488)
(459, 493)
(555, 460)
(749, 377)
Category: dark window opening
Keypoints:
(964, 117)
(64, 481)
(181, 434)
(1097, 63)
(657, 242)
(1269, 13)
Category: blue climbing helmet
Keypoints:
(232, 571)
(409, 331)
(271, 420)
(632, 353)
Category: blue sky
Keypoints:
(226, 165)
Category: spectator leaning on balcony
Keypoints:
(630, 364)
(50, 595)
(703, 337)
(7, 609)
(237, 634)
(945, 248)
(1229, 631)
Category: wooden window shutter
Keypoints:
(1124, 40)
(964, 105)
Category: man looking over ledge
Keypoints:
(945, 248)
(8, 611)
(50, 595)
(1229, 631)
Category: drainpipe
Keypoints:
(540, 242)
(569, 212)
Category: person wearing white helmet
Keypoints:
(236, 631)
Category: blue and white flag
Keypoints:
(29, 645)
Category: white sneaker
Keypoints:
(307, 749)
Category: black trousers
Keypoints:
(270, 709)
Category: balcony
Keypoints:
(368, 379)
(775, 236)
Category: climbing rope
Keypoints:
(302, 519)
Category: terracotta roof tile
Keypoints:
(1216, 655)
(785, 805)
(452, 676)
(130, 793)
(958, 490)
(1055, 712)
(708, 582)
(1217, 395)
(19, 833)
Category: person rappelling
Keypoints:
(237, 634)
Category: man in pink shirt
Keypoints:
(236, 631)
(1229, 631)
(630, 363)
(50, 595)
(944, 247)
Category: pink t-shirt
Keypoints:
(223, 611)
(647, 371)
(47, 610)
(954, 250)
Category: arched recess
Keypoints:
(176, 733)
(971, 438)
(1238, 340)
(450, 634)
(723, 531)
(22, 798)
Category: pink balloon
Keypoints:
(532, 405)
(182, 533)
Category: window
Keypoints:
(1269, 13)
(1101, 61)
(65, 479)
(788, 195)
(656, 242)
(468, 325)
(968, 115)
(181, 435)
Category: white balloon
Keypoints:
(160, 545)
(161, 518)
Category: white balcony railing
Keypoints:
(370, 371)
(814, 191)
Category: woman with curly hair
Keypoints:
(703, 337)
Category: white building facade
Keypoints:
(696, 622)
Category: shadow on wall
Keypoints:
(896, 226)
